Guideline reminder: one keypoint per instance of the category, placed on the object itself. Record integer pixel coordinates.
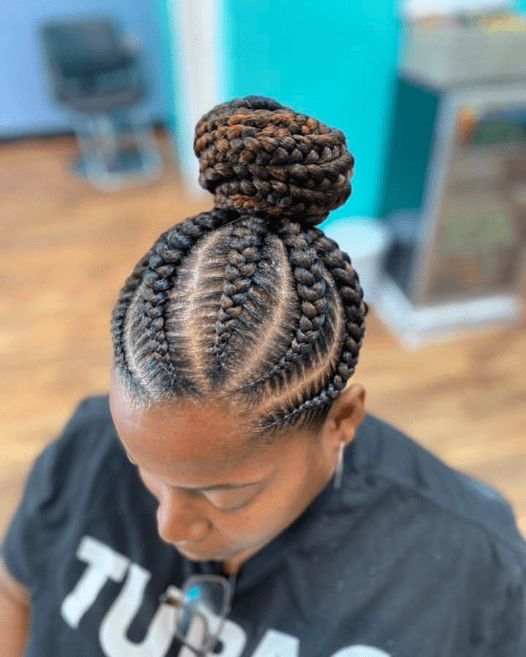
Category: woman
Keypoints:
(232, 496)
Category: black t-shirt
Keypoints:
(409, 558)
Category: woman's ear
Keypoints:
(347, 414)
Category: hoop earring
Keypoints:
(338, 473)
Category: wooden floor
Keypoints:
(65, 250)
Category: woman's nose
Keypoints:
(177, 518)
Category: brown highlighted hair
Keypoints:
(250, 303)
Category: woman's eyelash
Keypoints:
(237, 506)
(234, 507)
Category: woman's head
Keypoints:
(236, 334)
(249, 304)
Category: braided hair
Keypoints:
(250, 303)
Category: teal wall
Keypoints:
(334, 59)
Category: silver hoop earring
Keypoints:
(338, 473)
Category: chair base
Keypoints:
(126, 163)
(111, 162)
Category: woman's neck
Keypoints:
(233, 566)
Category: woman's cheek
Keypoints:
(270, 515)
(259, 518)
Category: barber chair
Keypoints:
(96, 74)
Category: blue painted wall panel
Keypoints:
(26, 105)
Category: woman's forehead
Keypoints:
(187, 437)
(200, 440)
(187, 427)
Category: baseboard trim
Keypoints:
(158, 124)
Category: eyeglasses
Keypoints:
(202, 607)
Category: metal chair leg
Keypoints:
(106, 163)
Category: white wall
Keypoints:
(417, 8)
(196, 28)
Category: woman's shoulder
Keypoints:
(388, 456)
(89, 426)
(76, 467)
(71, 473)
(88, 436)
(90, 410)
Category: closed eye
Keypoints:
(231, 500)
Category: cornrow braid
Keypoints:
(307, 270)
(310, 285)
(118, 319)
(338, 264)
(245, 260)
(149, 283)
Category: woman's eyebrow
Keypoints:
(208, 489)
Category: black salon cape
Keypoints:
(408, 559)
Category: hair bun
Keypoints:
(257, 156)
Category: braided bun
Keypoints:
(258, 157)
